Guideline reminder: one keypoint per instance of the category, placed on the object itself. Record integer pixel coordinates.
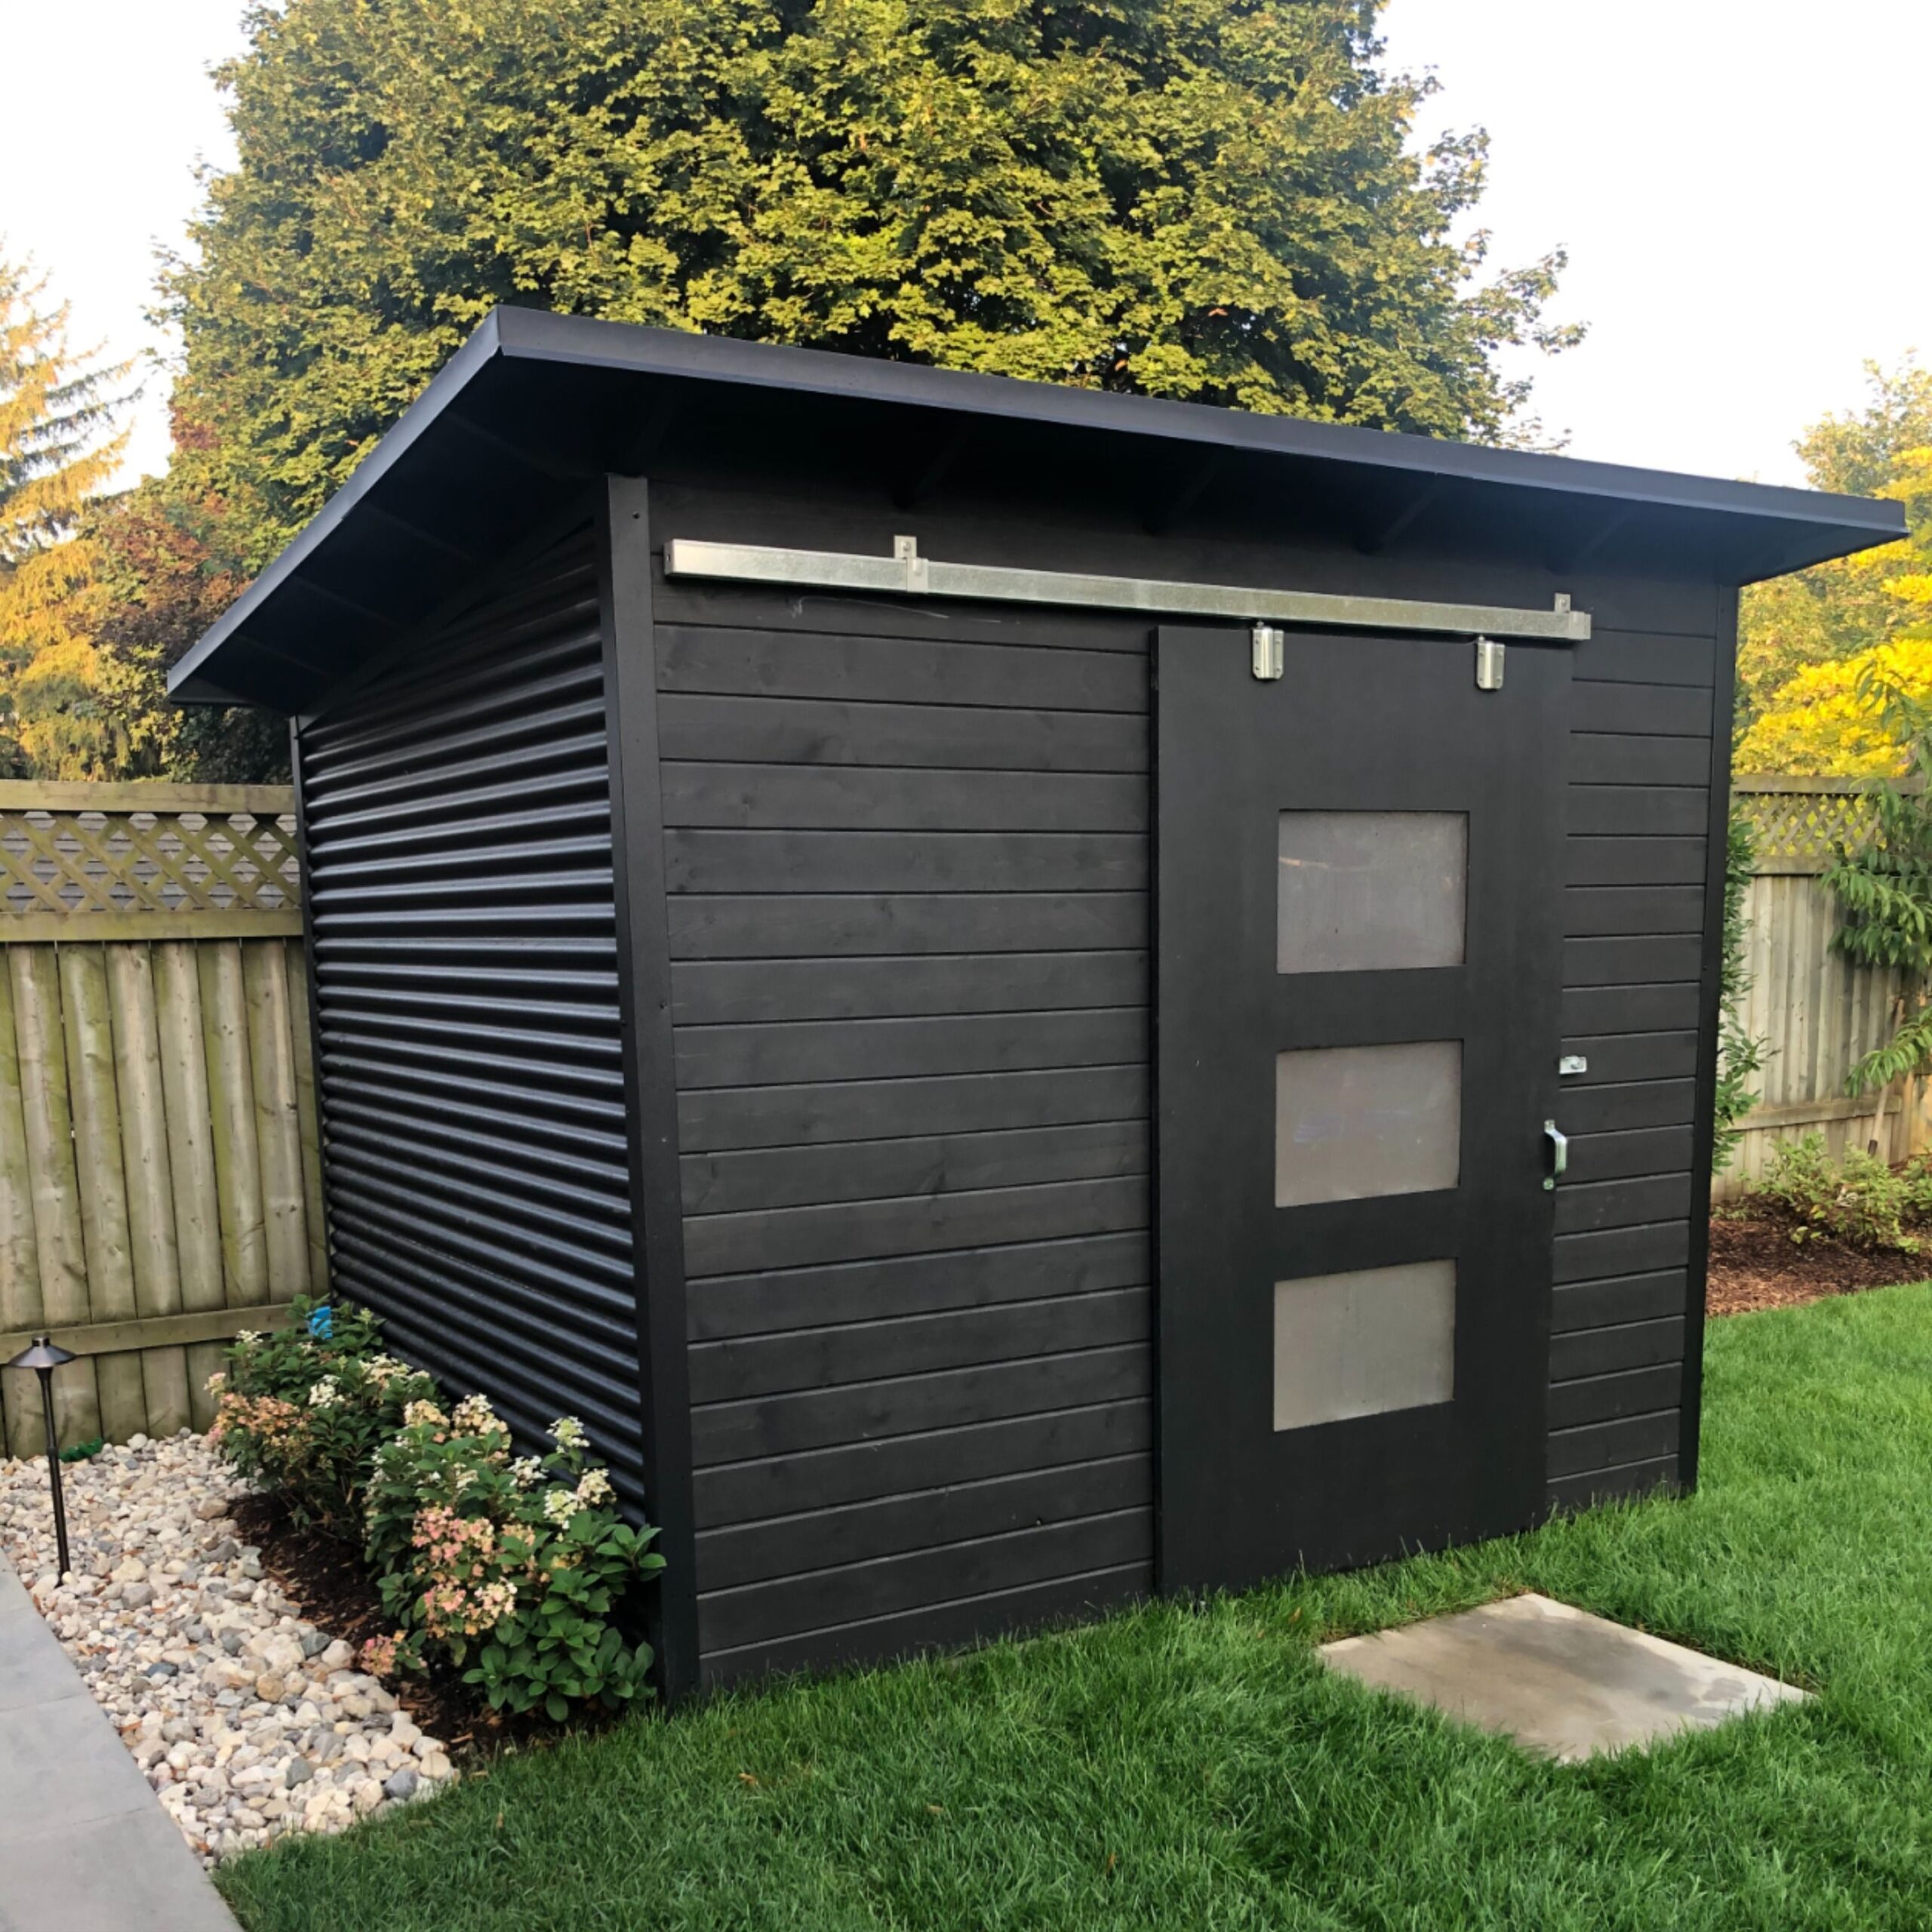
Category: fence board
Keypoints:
(160, 1167)
(1820, 1012)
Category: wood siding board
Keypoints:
(793, 1053)
(821, 1418)
(1609, 1445)
(835, 1357)
(1599, 1157)
(729, 992)
(732, 862)
(1583, 1257)
(861, 1593)
(723, 1119)
(855, 1533)
(1581, 1207)
(1604, 1398)
(788, 1485)
(1640, 709)
(1619, 1059)
(795, 798)
(1594, 1486)
(942, 1626)
(1593, 859)
(1643, 1103)
(1618, 1300)
(1594, 1011)
(841, 925)
(748, 663)
(1597, 910)
(900, 1285)
(1634, 811)
(753, 730)
(1579, 1353)
(1608, 758)
(806, 1237)
(755, 1178)
(1645, 960)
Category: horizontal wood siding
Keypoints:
(456, 819)
(1638, 808)
(908, 879)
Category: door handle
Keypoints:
(1559, 1152)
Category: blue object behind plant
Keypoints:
(321, 1323)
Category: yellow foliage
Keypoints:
(1819, 724)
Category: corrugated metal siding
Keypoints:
(908, 859)
(1639, 802)
(457, 818)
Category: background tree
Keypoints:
(58, 449)
(1809, 644)
(1211, 199)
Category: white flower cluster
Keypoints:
(527, 1472)
(416, 1413)
(325, 1393)
(560, 1505)
(247, 1338)
(568, 1433)
(382, 1369)
(474, 1416)
(593, 1487)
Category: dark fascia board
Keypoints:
(1817, 526)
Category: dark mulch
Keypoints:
(326, 1581)
(1755, 1263)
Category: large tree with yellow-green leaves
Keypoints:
(1211, 199)
(1819, 653)
(58, 450)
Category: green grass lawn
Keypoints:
(1198, 1769)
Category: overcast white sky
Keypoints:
(1732, 179)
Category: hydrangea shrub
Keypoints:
(513, 1570)
(304, 1410)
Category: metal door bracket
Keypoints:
(1270, 654)
(1489, 665)
(905, 551)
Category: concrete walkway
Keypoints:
(84, 1845)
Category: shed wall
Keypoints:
(455, 818)
(907, 856)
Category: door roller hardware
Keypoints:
(1571, 1064)
(1270, 652)
(1489, 665)
(1559, 1153)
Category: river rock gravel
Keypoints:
(248, 1721)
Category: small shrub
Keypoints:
(513, 1569)
(1857, 1200)
(303, 1411)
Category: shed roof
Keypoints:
(534, 407)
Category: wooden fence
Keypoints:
(160, 1173)
(1820, 1012)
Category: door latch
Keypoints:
(1559, 1154)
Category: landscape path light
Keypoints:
(43, 1357)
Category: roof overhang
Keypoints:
(535, 406)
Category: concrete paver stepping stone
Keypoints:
(1559, 1680)
(84, 1845)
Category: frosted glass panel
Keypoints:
(1354, 1122)
(1368, 891)
(1362, 1344)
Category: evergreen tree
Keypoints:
(57, 450)
(1210, 199)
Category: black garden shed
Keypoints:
(1021, 996)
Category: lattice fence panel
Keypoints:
(73, 865)
(1801, 831)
